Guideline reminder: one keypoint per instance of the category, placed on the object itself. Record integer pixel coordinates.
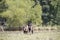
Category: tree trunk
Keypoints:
(2, 29)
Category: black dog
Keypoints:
(27, 29)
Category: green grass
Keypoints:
(45, 35)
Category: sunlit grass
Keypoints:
(35, 36)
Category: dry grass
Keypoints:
(42, 35)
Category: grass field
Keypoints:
(42, 35)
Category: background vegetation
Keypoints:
(21, 11)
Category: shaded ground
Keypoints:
(42, 35)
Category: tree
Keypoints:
(21, 11)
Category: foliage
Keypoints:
(20, 11)
(56, 4)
